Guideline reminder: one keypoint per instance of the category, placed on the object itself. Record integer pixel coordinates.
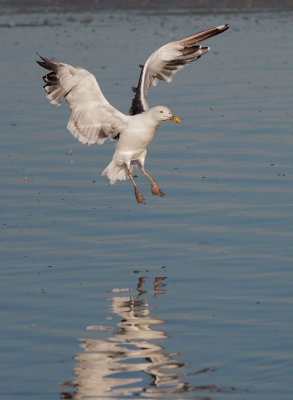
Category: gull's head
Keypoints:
(162, 113)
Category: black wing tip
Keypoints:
(42, 58)
(46, 63)
(223, 28)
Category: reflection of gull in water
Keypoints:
(121, 365)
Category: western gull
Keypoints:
(93, 119)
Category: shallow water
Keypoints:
(188, 296)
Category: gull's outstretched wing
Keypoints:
(93, 119)
(168, 60)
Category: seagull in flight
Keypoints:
(94, 120)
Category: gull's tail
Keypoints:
(115, 172)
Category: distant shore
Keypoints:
(164, 6)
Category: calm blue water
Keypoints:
(189, 296)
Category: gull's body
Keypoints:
(93, 119)
(133, 141)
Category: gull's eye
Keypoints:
(161, 111)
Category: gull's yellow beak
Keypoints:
(175, 119)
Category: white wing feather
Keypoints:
(93, 119)
(167, 61)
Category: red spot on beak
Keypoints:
(175, 119)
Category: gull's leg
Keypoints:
(139, 197)
(155, 188)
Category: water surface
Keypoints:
(188, 296)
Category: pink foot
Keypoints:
(157, 191)
(139, 197)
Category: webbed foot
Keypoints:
(156, 191)
(139, 197)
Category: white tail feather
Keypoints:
(115, 172)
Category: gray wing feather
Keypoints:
(167, 61)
